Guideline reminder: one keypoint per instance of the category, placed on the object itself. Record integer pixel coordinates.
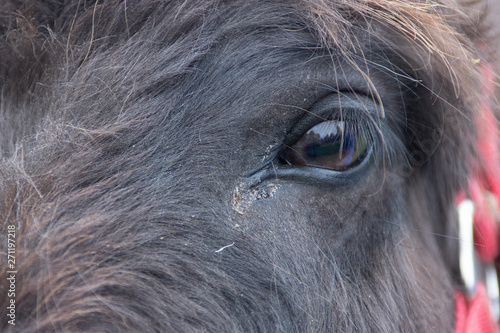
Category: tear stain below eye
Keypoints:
(245, 195)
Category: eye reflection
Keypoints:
(331, 145)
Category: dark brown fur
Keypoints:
(141, 142)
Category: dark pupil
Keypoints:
(330, 145)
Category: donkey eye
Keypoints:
(334, 145)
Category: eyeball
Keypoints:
(334, 145)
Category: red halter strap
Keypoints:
(480, 215)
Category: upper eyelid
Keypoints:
(333, 106)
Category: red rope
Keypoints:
(473, 315)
